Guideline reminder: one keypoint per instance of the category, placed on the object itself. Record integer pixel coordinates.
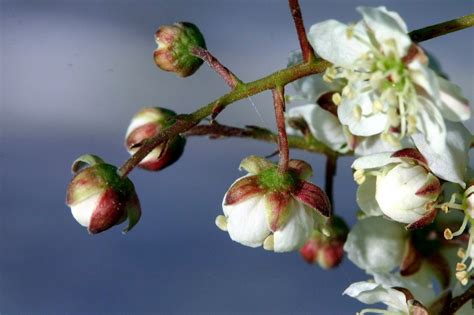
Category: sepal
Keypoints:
(312, 196)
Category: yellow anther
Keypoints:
(350, 31)
(357, 112)
(359, 176)
(221, 222)
(269, 243)
(461, 253)
(336, 98)
(448, 234)
(377, 106)
(460, 267)
(462, 277)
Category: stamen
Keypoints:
(221, 222)
(448, 234)
(357, 112)
(336, 98)
(462, 277)
(461, 253)
(269, 243)
(462, 228)
(460, 267)
(359, 177)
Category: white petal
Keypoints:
(387, 26)
(330, 40)
(83, 210)
(374, 144)
(297, 230)
(246, 222)
(454, 106)
(371, 293)
(366, 125)
(426, 78)
(431, 124)
(376, 244)
(396, 193)
(374, 161)
(366, 197)
(451, 164)
(323, 125)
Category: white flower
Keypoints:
(390, 89)
(399, 185)
(272, 209)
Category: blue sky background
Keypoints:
(72, 75)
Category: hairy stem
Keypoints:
(442, 28)
(279, 103)
(279, 78)
(306, 49)
(229, 78)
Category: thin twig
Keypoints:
(455, 304)
(442, 28)
(306, 49)
(229, 77)
(279, 103)
(331, 166)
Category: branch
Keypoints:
(459, 301)
(306, 49)
(442, 28)
(218, 131)
(331, 165)
(279, 103)
(279, 78)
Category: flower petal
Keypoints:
(371, 293)
(376, 244)
(454, 106)
(431, 124)
(297, 230)
(330, 40)
(246, 221)
(357, 114)
(387, 26)
(374, 161)
(366, 197)
(323, 125)
(451, 164)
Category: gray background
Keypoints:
(72, 75)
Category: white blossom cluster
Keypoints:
(385, 100)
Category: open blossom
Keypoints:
(147, 123)
(399, 185)
(389, 90)
(99, 198)
(278, 211)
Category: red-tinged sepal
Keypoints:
(312, 196)
(255, 164)
(133, 212)
(411, 154)
(411, 261)
(85, 161)
(242, 190)
(427, 219)
(415, 306)
(107, 213)
(431, 189)
(277, 210)
(302, 169)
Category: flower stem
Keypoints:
(306, 49)
(442, 28)
(279, 103)
(331, 166)
(229, 77)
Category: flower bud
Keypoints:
(175, 43)
(404, 188)
(326, 248)
(147, 123)
(278, 211)
(99, 198)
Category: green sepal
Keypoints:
(84, 161)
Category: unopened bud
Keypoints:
(175, 43)
(146, 124)
(99, 198)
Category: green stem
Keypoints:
(279, 78)
(442, 28)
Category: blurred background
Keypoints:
(72, 75)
